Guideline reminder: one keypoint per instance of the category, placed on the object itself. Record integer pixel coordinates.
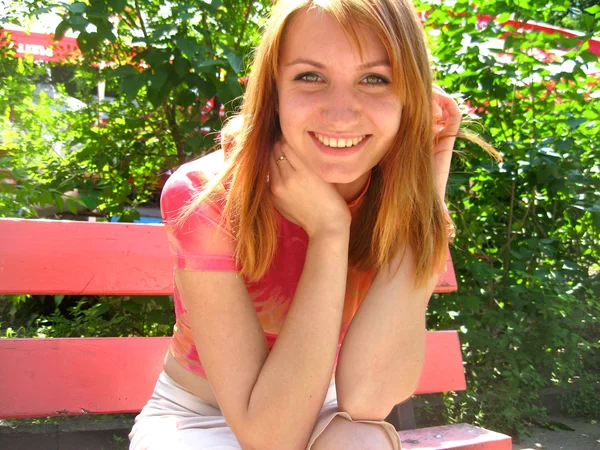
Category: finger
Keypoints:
(437, 117)
(437, 112)
(448, 105)
(450, 119)
(280, 156)
(274, 171)
(291, 156)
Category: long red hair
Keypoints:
(401, 209)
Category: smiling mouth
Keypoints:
(339, 142)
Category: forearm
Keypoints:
(291, 387)
(383, 351)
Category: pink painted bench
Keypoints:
(66, 377)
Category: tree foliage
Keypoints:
(527, 244)
(526, 251)
(167, 70)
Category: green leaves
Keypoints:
(61, 29)
(117, 5)
(77, 7)
(191, 48)
(131, 85)
(527, 231)
(234, 59)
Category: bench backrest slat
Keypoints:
(52, 377)
(40, 377)
(63, 257)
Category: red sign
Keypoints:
(42, 47)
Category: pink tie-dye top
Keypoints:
(202, 243)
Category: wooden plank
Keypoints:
(456, 437)
(443, 368)
(50, 377)
(53, 377)
(64, 257)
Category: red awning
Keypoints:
(41, 46)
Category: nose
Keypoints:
(341, 108)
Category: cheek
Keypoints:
(295, 113)
(386, 115)
(298, 104)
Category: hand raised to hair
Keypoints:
(302, 196)
(446, 123)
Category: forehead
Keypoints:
(315, 33)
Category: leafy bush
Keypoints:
(582, 397)
(83, 316)
(526, 251)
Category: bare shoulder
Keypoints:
(189, 179)
(201, 170)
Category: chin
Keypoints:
(340, 178)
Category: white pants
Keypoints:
(175, 419)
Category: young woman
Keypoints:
(308, 247)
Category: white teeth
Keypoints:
(339, 143)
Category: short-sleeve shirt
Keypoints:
(203, 243)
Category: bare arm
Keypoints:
(272, 400)
(272, 396)
(383, 351)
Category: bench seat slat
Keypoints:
(50, 377)
(457, 437)
(95, 258)
(53, 377)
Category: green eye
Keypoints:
(375, 80)
(308, 77)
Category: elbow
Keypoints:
(249, 443)
(268, 440)
(375, 402)
(366, 409)
(256, 431)
(271, 444)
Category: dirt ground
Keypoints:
(586, 436)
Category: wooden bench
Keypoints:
(65, 377)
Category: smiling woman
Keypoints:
(307, 248)
(337, 106)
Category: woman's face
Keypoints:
(338, 112)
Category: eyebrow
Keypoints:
(368, 65)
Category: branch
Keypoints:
(158, 133)
(554, 219)
(248, 9)
(521, 222)
(538, 226)
(207, 40)
(509, 231)
(471, 237)
(492, 287)
(174, 128)
(139, 13)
